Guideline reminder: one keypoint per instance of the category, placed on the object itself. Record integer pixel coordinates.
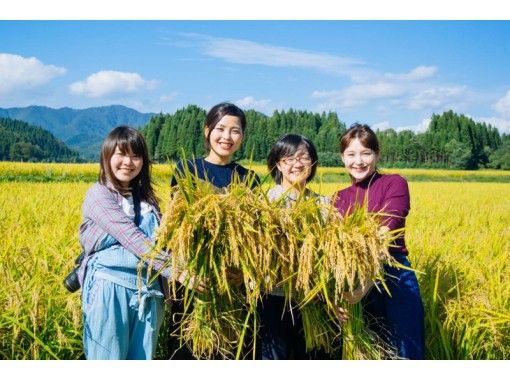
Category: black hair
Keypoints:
(286, 146)
(216, 113)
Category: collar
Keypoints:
(290, 195)
(367, 181)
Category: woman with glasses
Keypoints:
(292, 163)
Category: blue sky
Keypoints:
(385, 73)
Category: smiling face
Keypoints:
(225, 139)
(359, 160)
(125, 167)
(296, 168)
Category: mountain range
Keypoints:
(80, 129)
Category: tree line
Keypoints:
(169, 135)
(450, 141)
(20, 141)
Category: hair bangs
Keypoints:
(129, 143)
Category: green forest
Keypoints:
(451, 140)
(20, 141)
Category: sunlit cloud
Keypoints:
(104, 83)
(360, 94)
(502, 124)
(503, 105)
(254, 53)
(381, 125)
(251, 102)
(417, 74)
(409, 90)
(19, 73)
(167, 98)
(420, 127)
(436, 97)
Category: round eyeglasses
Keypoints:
(292, 160)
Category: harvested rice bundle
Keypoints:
(335, 255)
(354, 251)
(217, 235)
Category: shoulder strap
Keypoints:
(136, 204)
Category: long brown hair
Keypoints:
(130, 141)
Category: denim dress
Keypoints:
(122, 313)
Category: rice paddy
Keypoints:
(44, 172)
(458, 236)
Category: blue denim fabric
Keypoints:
(114, 259)
(398, 318)
(119, 323)
(121, 317)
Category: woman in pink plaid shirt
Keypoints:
(122, 312)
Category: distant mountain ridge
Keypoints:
(81, 129)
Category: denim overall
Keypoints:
(121, 319)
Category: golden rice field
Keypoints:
(458, 235)
(44, 172)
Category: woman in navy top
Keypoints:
(225, 126)
(396, 318)
(224, 131)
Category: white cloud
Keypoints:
(253, 53)
(503, 105)
(402, 88)
(251, 102)
(417, 74)
(420, 127)
(360, 94)
(436, 97)
(17, 72)
(503, 125)
(167, 98)
(105, 83)
(381, 126)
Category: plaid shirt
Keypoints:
(103, 214)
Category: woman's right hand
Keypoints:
(190, 282)
(235, 276)
(357, 294)
(342, 314)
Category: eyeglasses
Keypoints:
(292, 160)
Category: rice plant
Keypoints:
(457, 235)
